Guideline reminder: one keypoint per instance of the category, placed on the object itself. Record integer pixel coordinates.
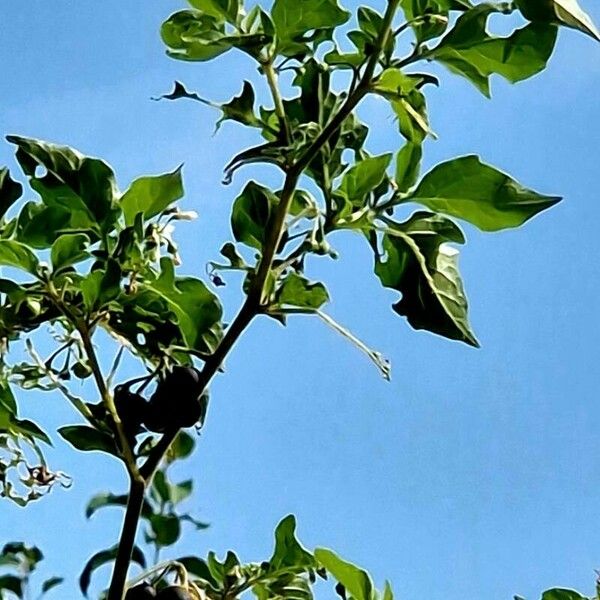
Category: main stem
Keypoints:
(256, 300)
(135, 502)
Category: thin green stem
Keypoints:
(108, 400)
(271, 76)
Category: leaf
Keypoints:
(363, 178)
(12, 583)
(105, 499)
(470, 190)
(423, 267)
(221, 9)
(355, 580)
(294, 19)
(151, 195)
(10, 191)
(198, 567)
(197, 310)
(88, 439)
(166, 529)
(51, 583)
(388, 594)
(408, 165)
(84, 186)
(194, 36)
(434, 15)
(288, 552)
(562, 594)
(251, 213)
(407, 102)
(101, 558)
(16, 254)
(69, 249)
(29, 429)
(296, 290)
(473, 53)
(101, 286)
(182, 447)
(241, 108)
(560, 12)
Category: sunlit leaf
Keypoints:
(83, 186)
(561, 12)
(470, 190)
(470, 51)
(294, 19)
(151, 195)
(297, 291)
(356, 581)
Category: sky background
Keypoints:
(474, 473)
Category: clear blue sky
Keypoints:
(474, 473)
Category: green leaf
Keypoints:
(197, 310)
(151, 195)
(560, 12)
(166, 529)
(388, 594)
(420, 264)
(475, 192)
(12, 583)
(288, 552)
(105, 499)
(101, 286)
(182, 447)
(83, 186)
(473, 53)
(562, 594)
(29, 429)
(297, 291)
(194, 36)
(51, 583)
(251, 213)
(408, 165)
(363, 178)
(434, 15)
(356, 581)
(10, 191)
(69, 249)
(241, 108)
(39, 226)
(88, 439)
(221, 9)
(294, 19)
(16, 254)
(100, 559)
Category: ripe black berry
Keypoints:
(131, 409)
(178, 401)
(144, 591)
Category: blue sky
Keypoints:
(474, 473)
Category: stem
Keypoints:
(253, 305)
(127, 541)
(107, 398)
(271, 76)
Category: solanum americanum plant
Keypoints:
(85, 257)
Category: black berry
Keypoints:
(144, 591)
